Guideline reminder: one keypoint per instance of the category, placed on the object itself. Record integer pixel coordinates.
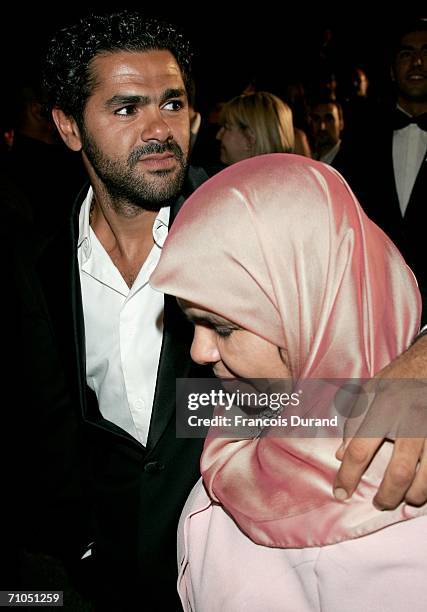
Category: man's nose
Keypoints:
(155, 126)
(204, 348)
(417, 57)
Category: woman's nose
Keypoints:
(204, 349)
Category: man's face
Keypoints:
(326, 124)
(135, 133)
(410, 67)
(360, 82)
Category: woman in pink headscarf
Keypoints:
(285, 276)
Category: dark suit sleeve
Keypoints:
(42, 466)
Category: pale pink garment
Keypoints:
(222, 570)
(279, 245)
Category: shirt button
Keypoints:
(153, 467)
(139, 403)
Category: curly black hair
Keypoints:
(67, 77)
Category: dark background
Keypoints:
(232, 42)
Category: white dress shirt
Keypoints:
(123, 328)
(409, 149)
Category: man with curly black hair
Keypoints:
(116, 87)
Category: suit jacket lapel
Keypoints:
(174, 363)
(57, 269)
(395, 211)
(417, 206)
(175, 359)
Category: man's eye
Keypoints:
(173, 105)
(403, 55)
(125, 111)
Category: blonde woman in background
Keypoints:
(255, 124)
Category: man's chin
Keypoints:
(162, 186)
(414, 92)
(166, 172)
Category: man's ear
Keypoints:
(68, 129)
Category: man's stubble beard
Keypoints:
(324, 137)
(128, 191)
(418, 97)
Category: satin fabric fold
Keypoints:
(279, 245)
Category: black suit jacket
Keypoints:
(370, 172)
(99, 482)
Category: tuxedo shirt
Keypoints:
(409, 149)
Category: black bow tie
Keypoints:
(401, 120)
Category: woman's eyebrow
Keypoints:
(199, 318)
(212, 319)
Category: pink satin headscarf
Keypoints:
(279, 245)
